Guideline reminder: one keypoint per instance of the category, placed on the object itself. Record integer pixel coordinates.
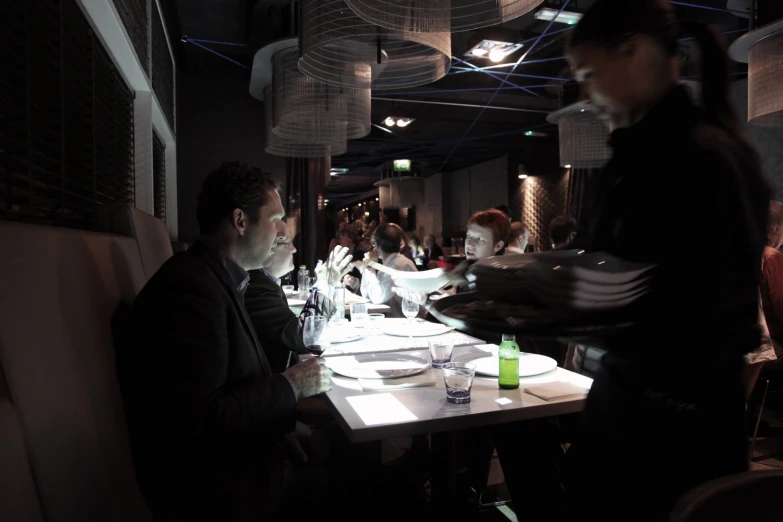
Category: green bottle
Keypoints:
(508, 353)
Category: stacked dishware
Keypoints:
(569, 283)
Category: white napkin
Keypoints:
(414, 381)
(556, 390)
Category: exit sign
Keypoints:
(403, 165)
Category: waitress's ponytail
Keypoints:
(714, 74)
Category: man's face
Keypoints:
(282, 261)
(429, 241)
(257, 240)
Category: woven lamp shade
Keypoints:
(278, 146)
(300, 101)
(765, 81)
(440, 16)
(584, 140)
(340, 48)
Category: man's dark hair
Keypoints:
(232, 185)
(388, 237)
(504, 209)
(561, 228)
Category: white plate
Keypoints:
(529, 364)
(347, 338)
(402, 328)
(377, 366)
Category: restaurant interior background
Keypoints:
(180, 105)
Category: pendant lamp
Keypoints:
(440, 16)
(340, 48)
(584, 137)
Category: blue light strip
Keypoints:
(518, 75)
(483, 110)
(215, 42)
(699, 6)
(472, 89)
(217, 54)
(498, 77)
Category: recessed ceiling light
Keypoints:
(523, 176)
(565, 17)
(376, 199)
(404, 122)
(493, 49)
(567, 166)
(336, 171)
(389, 122)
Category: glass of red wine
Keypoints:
(315, 334)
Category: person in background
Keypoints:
(406, 250)
(348, 239)
(562, 231)
(377, 286)
(206, 414)
(277, 327)
(420, 258)
(487, 235)
(772, 274)
(666, 409)
(518, 238)
(431, 248)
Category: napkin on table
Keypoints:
(556, 390)
(414, 381)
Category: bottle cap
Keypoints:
(302, 266)
(509, 337)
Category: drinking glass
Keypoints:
(359, 314)
(440, 352)
(410, 306)
(375, 323)
(338, 298)
(315, 334)
(459, 380)
(288, 289)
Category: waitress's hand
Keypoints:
(372, 255)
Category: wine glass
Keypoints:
(315, 334)
(410, 306)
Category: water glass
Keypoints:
(410, 306)
(316, 335)
(359, 314)
(338, 298)
(440, 352)
(288, 289)
(459, 380)
(375, 323)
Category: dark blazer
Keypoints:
(276, 325)
(205, 412)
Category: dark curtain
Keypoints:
(581, 197)
(305, 182)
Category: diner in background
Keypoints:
(562, 232)
(377, 286)
(518, 238)
(666, 409)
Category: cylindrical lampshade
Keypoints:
(340, 48)
(278, 146)
(765, 81)
(440, 16)
(584, 137)
(300, 100)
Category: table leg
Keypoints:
(444, 474)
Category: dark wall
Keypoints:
(217, 120)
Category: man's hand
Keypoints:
(310, 377)
(372, 255)
(337, 265)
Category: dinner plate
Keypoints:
(377, 366)
(530, 364)
(347, 338)
(419, 328)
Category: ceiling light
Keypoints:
(366, 213)
(565, 17)
(496, 55)
(376, 199)
(493, 49)
(523, 176)
(567, 166)
(326, 201)
(536, 134)
(389, 122)
(404, 122)
(336, 171)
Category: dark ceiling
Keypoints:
(461, 120)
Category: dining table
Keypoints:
(389, 410)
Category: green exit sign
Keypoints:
(403, 165)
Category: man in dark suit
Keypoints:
(206, 414)
(277, 327)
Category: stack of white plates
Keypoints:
(569, 281)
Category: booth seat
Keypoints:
(64, 450)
